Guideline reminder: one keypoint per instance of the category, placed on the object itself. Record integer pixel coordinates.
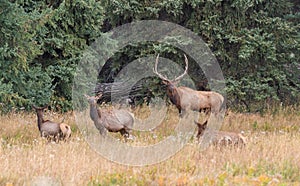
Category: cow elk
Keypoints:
(185, 98)
(221, 138)
(114, 120)
(49, 129)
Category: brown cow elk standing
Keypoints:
(115, 120)
(49, 129)
(186, 98)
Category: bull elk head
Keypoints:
(172, 90)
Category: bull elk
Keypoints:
(49, 129)
(115, 120)
(222, 138)
(185, 98)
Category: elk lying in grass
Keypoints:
(115, 120)
(221, 137)
(49, 129)
(186, 98)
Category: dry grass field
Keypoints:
(271, 156)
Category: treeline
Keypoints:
(256, 43)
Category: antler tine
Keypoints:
(185, 71)
(156, 72)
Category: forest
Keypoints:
(84, 99)
(256, 44)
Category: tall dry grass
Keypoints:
(272, 155)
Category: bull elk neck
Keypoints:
(186, 98)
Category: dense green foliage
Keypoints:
(256, 43)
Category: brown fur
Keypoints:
(115, 120)
(222, 138)
(173, 94)
(49, 129)
(199, 100)
(185, 98)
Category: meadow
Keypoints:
(271, 156)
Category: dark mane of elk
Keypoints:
(173, 94)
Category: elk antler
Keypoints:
(35, 107)
(155, 70)
(176, 79)
(185, 71)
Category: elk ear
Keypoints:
(98, 96)
(44, 106)
(86, 96)
(204, 125)
(197, 123)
